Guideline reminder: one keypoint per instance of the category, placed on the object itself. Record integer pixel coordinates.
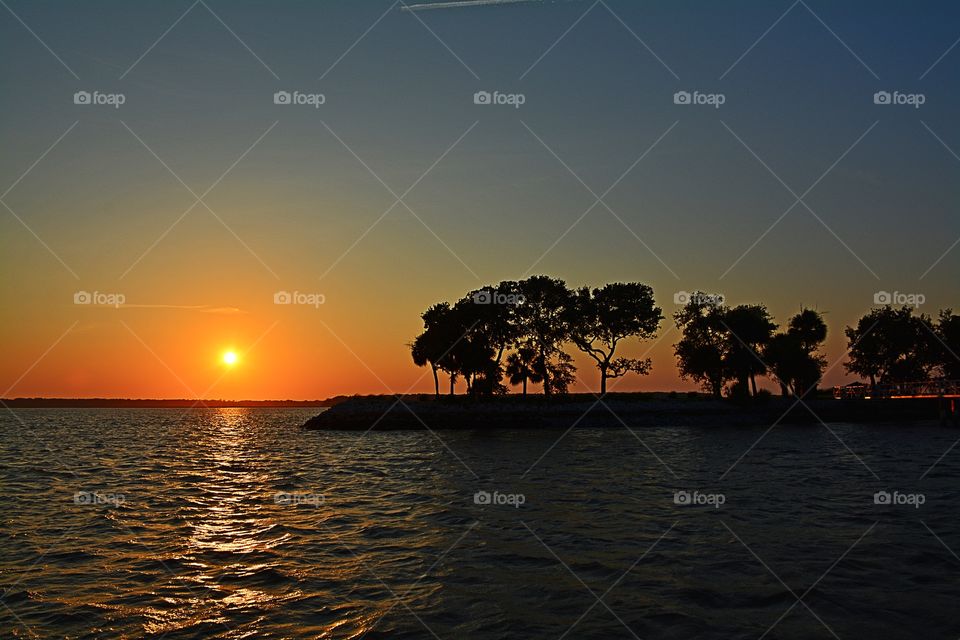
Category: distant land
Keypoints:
(154, 403)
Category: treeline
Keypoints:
(519, 332)
(893, 345)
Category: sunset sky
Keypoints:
(98, 198)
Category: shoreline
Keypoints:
(385, 413)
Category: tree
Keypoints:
(792, 355)
(473, 358)
(808, 326)
(601, 318)
(522, 367)
(948, 347)
(488, 316)
(702, 349)
(543, 313)
(750, 328)
(784, 355)
(557, 373)
(451, 343)
(423, 353)
(492, 312)
(891, 345)
(434, 345)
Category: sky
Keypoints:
(184, 190)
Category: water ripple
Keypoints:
(236, 524)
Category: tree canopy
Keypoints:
(517, 332)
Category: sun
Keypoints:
(230, 358)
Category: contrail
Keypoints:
(461, 3)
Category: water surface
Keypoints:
(165, 523)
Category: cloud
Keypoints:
(202, 308)
(457, 4)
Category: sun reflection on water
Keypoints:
(230, 523)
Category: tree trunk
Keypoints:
(753, 384)
(524, 387)
(436, 381)
(451, 385)
(603, 380)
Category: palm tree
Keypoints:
(521, 367)
(423, 354)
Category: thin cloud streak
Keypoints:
(427, 6)
(188, 307)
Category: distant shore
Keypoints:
(385, 413)
(148, 403)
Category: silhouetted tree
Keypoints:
(557, 373)
(451, 343)
(891, 345)
(492, 312)
(948, 349)
(489, 316)
(601, 318)
(434, 345)
(792, 355)
(473, 359)
(544, 315)
(522, 367)
(702, 349)
(422, 355)
(750, 328)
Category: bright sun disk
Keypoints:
(230, 357)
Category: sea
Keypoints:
(236, 523)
